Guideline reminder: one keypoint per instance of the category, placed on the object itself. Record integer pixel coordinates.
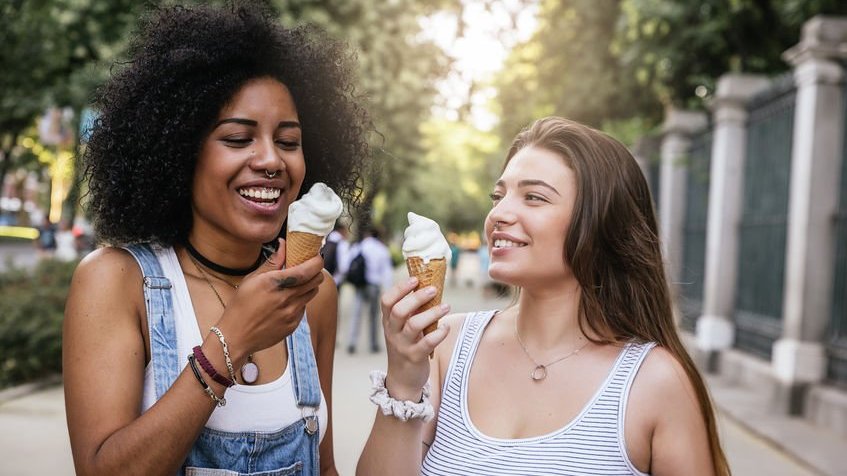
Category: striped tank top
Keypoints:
(591, 444)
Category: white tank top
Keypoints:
(264, 408)
(591, 444)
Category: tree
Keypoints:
(398, 75)
(572, 67)
(54, 53)
(678, 46)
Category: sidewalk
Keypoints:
(34, 441)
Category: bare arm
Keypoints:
(679, 443)
(395, 447)
(323, 320)
(104, 359)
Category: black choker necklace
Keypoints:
(223, 269)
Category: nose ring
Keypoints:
(270, 174)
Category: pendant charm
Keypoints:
(249, 371)
(539, 373)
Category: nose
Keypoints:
(501, 214)
(266, 158)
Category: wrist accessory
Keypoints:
(226, 353)
(207, 367)
(221, 401)
(404, 410)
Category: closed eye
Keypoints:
(288, 145)
(236, 142)
(495, 197)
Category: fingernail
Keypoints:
(445, 307)
(412, 280)
(431, 290)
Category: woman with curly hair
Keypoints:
(188, 347)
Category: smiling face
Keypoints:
(532, 206)
(251, 165)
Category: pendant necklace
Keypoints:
(249, 371)
(539, 373)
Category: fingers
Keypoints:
(416, 324)
(390, 297)
(406, 306)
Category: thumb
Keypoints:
(275, 260)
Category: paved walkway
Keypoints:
(34, 441)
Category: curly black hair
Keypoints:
(185, 65)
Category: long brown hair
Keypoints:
(613, 249)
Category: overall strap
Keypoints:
(160, 320)
(304, 373)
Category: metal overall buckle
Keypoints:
(311, 418)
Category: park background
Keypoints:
(734, 108)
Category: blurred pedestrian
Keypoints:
(65, 243)
(454, 260)
(370, 259)
(335, 252)
(188, 347)
(46, 241)
(546, 385)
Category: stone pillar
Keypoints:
(715, 330)
(799, 358)
(677, 129)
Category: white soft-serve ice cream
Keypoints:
(427, 253)
(310, 219)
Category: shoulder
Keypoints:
(455, 323)
(107, 282)
(106, 268)
(662, 388)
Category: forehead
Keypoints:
(261, 96)
(538, 163)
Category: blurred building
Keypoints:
(752, 200)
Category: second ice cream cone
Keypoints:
(428, 274)
(300, 246)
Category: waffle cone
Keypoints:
(428, 274)
(300, 246)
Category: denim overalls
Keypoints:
(290, 451)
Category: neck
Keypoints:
(548, 318)
(236, 256)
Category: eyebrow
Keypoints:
(252, 123)
(530, 183)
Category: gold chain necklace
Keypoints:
(249, 371)
(539, 373)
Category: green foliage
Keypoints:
(32, 304)
(399, 70)
(452, 181)
(676, 46)
(572, 67)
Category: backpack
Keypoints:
(330, 255)
(356, 272)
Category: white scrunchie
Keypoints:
(404, 410)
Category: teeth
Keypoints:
(507, 244)
(260, 193)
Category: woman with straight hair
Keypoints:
(585, 373)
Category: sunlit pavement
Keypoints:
(34, 441)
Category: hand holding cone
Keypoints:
(427, 253)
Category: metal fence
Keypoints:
(694, 229)
(837, 346)
(762, 230)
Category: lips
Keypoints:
(261, 194)
(504, 240)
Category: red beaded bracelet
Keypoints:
(210, 369)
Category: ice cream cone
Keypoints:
(300, 246)
(428, 274)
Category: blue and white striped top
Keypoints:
(591, 444)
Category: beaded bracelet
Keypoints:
(226, 353)
(207, 367)
(403, 410)
(221, 401)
